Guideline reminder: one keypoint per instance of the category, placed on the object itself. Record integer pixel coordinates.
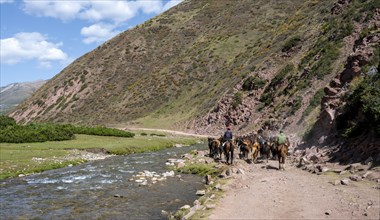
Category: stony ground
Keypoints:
(263, 192)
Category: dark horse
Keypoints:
(265, 148)
(272, 146)
(228, 150)
(214, 147)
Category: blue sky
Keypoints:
(41, 37)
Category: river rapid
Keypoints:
(137, 186)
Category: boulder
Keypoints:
(373, 176)
(345, 181)
(200, 192)
(330, 91)
(196, 204)
(355, 167)
(335, 83)
(208, 179)
(336, 182)
(185, 207)
(180, 165)
(355, 178)
(210, 206)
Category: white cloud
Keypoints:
(29, 46)
(116, 11)
(64, 10)
(148, 7)
(170, 4)
(98, 33)
(108, 15)
(95, 10)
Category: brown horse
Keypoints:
(242, 145)
(282, 151)
(255, 148)
(249, 149)
(214, 147)
(228, 150)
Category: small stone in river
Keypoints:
(143, 183)
(164, 213)
(185, 207)
(208, 179)
(117, 195)
(200, 192)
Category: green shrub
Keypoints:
(292, 42)
(100, 131)
(10, 132)
(199, 169)
(6, 121)
(297, 103)
(253, 83)
(237, 99)
(266, 98)
(314, 102)
(35, 133)
(363, 101)
(268, 94)
(289, 68)
(159, 135)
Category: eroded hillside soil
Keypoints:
(263, 192)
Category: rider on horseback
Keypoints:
(281, 138)
(227, 136)
(282, 149)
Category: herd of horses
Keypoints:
(249, 149)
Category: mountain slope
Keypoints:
(13, 94)
(255, 64)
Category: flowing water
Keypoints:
(105, 189)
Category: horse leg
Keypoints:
(227, 156)
(232, 155)
(256, 155)
(249, 154)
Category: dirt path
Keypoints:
(263, 192)
(167, 131)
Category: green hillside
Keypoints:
(204, 63)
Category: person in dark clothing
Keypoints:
(227, 136)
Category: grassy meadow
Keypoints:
(26, 158)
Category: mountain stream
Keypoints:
(137, 186)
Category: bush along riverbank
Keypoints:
(215, 177)
(11, 132)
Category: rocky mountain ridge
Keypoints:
(13, 94)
